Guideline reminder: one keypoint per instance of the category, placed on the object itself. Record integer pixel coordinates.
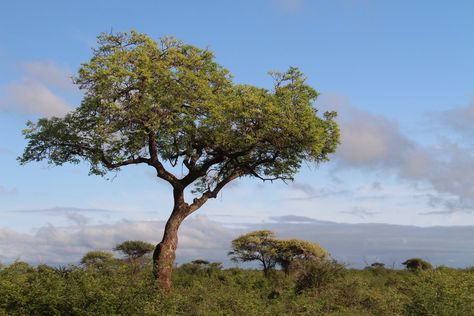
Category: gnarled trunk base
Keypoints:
(163, 260)
(165, 252)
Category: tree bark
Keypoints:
(164, 254)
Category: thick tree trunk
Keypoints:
(165, 252)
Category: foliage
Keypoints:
(202, 267)
(200, 262)
(263, 246)
(295, 249)
(150, 102)
(440, 292)
(415, 264)
(97, 258)
(316, 274)
(259, 246)
(377, 265)
(134, 249)
(72, 290)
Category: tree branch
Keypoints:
(198, 202)
(197, 172)
(160, 169)
(133, 161)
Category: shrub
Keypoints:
(415, 264)
(316, 274)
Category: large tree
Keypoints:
(166, 104)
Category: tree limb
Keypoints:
(160, 169)
(198, 202)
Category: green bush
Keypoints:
(316, 274)
(322, 288)
(416, 264)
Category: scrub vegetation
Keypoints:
(104, 284)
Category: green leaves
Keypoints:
(134, 249)
(163, 101)
(263, 246)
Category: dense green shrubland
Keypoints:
(202, 288)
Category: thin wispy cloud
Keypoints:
(293, 219)
(289, 6)
(34, 92)
(62, 210)
(360, 212)
(7, 192)
(459, 119)
(310, 192)
(51, 74)
(4, 151)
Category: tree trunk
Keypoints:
(165, 252)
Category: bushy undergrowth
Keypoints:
(205, 289)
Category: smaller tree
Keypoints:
(200, 262)
(97, 258)
(200, 266)
(295, 249)
(259, 246)
(134, 249)
(377, 265)
(415, 264)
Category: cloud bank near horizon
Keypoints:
(202, 238)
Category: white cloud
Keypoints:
(459, 119)
(202, 238)
(198, 238)
(375, 143)
(49, 73)
(33, 93)
(4, 191)
(33, 97)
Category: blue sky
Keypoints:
(400, 73)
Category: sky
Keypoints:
(400, 74)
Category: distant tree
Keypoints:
(201, 266)
(134, 249)
(259, 246)
(415, 264)
(97, 258)
(166, 103)
(377, 265)
(21, 266)
(44, 268)
(200, 262)
(287, 251)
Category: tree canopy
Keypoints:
(134, 249)
(150, 102)
(415, 264)
(295, 249)
(256, 246)
(263, 246)
(97, 258)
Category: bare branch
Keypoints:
(109, 165)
